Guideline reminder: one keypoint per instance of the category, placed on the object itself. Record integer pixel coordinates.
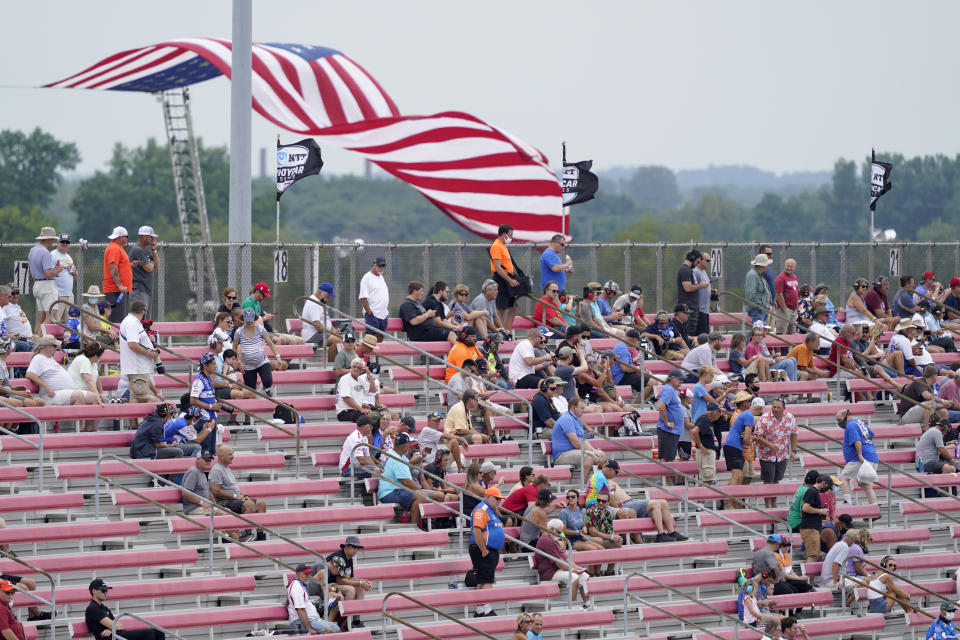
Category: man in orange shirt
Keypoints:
(117, 274)
(464, 348)
(501, 266)
(803, 354)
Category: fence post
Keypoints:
(956, 257)
(626, 268)
(308, 272)
(843, 264)
(871, 261)
(929, 256)
(161, 282)
(316, 269)
(353, 281)
(813, 264)
(660, 275)
(593, 264)
(459, 251)
(426, 270)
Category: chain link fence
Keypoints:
(299, 267)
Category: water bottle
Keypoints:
(457, 585)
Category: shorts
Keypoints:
(139, 386)
(572, 457)
(374, 321)
(433, 334)
(850, 471)
(667, 444)
(401, 497)
(749, 468)
(772, 472)
(734, 457)
(504, 299)
(486, 568)
(707, 464)
(222, 393)
(46, 293)
(640, 507)
(60, 398)
(934, 466)
(877, 605)
(233, 505)
(811, 542)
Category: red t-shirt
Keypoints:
(9, 621)
(834, 356)
(544, 307)
(875, 301)
(788, 286)
(518, 500)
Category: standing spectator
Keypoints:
(775, 435)
(788, 297)
(701, 275)
(226, 492)
(757, 291)
(876, 302)
(248, 341)
(599, 523)
(525, 365)
(137, 355)
(203, 396)
(808, 505)
(688, 289)
(858, 452)
(317, 326)
(704, 435)
(100, 620)
(301, 612)
(375, 297)
(486, 300)
(53, 381)
(117, 274)
(552, 266)
(143, 262)
(357, 462)
(767, 250)
(65, 278)
(148, 441)
(486, 542)
(670, 419)
(44, 270)
(738, 438)
(503, 270)
(418, 321)
(558, 570)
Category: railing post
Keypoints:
(38, 446)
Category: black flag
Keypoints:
(295, 161)
(879, 179)
(579, 184)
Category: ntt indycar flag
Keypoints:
(479, 175)
(295, 161)
(579, 184)
(879, 179)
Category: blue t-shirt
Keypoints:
(604, 305)
(567, 423)
(72, 333)
(493, 528)
(735, 435)
(622, 351)
(734, 360)
(549, 258)
(858, 430)
(394, 470)
(669, 397)
(178, 430)
(699, 406)
(902, 302)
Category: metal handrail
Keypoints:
(191, 363)
(383, 622)
(38, 446)
(53, 590)
(144, 621)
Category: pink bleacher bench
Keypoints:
(292, 518)
(824, 410)
(72, 470)
(905, 562)
(503, 626)
(70, 531)
(890, 456)
(878, 536)
(334, 430)
(698, 578)
(937, 586)
(146, 589)
(70, 441)
(82, 412)
(921, 620)
(729, 605)
(41, 501)
(815, 628)
(688, 467)
(370, 542)
(185, 328)
(747, 516)
(880, 432)
(418, 569)
(455, 598)
(873, 384)
(319, 402)
(634, 442)
(254, 489)
(103, 560)
(286, 351)
(280, 378)
(512, 476)
(947, 505)
(643, 552)
(22, 358)
(13, 473)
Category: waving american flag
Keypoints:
(477, 174)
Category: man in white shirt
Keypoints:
(820, 327)
(137, 355)
(353, 391)
(65, 278)
(53, 380)
(375, 297)
(301, 611)
(705, 353)
(317, 326)
(359, 459)
(18, 325)
(525, 363)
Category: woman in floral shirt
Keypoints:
(805, 307)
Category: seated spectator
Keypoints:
(90, 324)
(418, 321)
(348, 353)
(518, 500)
(353, 390)
(666, 334)
(352, 588)
(148, 440)
(14, 396)
(631, 305)
(318, 326)
(227, 371)
(545, 312)
(575, 528)
(903, 351)
(437, 301)
(599, 523)
(396, 473)
(800, 584)
(625, 371)
(226, 491)
(464, 348)
(568, 441)
(704, 354)
(183, 432)
(100, 620)
(885, 592)
(53, 380)
(536, 630)
(439, 490)
(933, 455)
(195, 482)
(462, 313)
(544, 407)
(558, 570)
(486, 300)
(524, 622)
(357, 462)
(592, 314)
(854, 566)
(765, 559)
(432, 435)
(458, 420)
(804, 353)
(823, 328)
(833, 573)
(526, 368)
(834, 528)
(753, 601)
(921, 397)
(10, 582)
(301, 612)
(626, 507)
(784, 366)
(258, 294)
(229, 301)
(537, 513)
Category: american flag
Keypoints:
(479, 175)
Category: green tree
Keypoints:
(30, 167)
(21, 226)
(652, 187)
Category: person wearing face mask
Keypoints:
(90, 325)
(942, 628)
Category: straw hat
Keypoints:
(93, 292)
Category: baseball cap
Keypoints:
(544, 331)
(401, 439)
(811, 478)
(64, 237)
(927, 275)
(194, 412)
(304, 568)
(713, 406)
(349, 337)
(362, 420)
(48, 341)
(262, 287)
(758, 402)
(487, 467)
(611, 285)
(409, 422)
(564, 352)
(784, 540)
(636, 291)
(327, 288)
(249, 315)
(434, 415)
(947, 606)
(760, 324)
(146, 230)
(118, 232)
(555, 380)
(380, 261)
(206, 455)
(493, 491)
(774, 538)
(205, 358)
(6, 585)
(98, 583)
(954, 282)
(374, 417)
(675, 373)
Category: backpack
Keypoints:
(282, 413)
(631, 424)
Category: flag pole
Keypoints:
(566, 210)
(278, 200)
(873, 158)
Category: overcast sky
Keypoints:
(781, 86)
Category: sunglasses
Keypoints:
(231, 297)
(603, 502)
(462, 293)
(571, 497)
(552, 290)
(551, 388)
(14, 293)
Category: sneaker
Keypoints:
(357, 624)
(588, 605)
(43, 615)
(664, 537)
(261, 536)
(679, 537)
(247, 537)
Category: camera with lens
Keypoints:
(160, 368)
(373, 367)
